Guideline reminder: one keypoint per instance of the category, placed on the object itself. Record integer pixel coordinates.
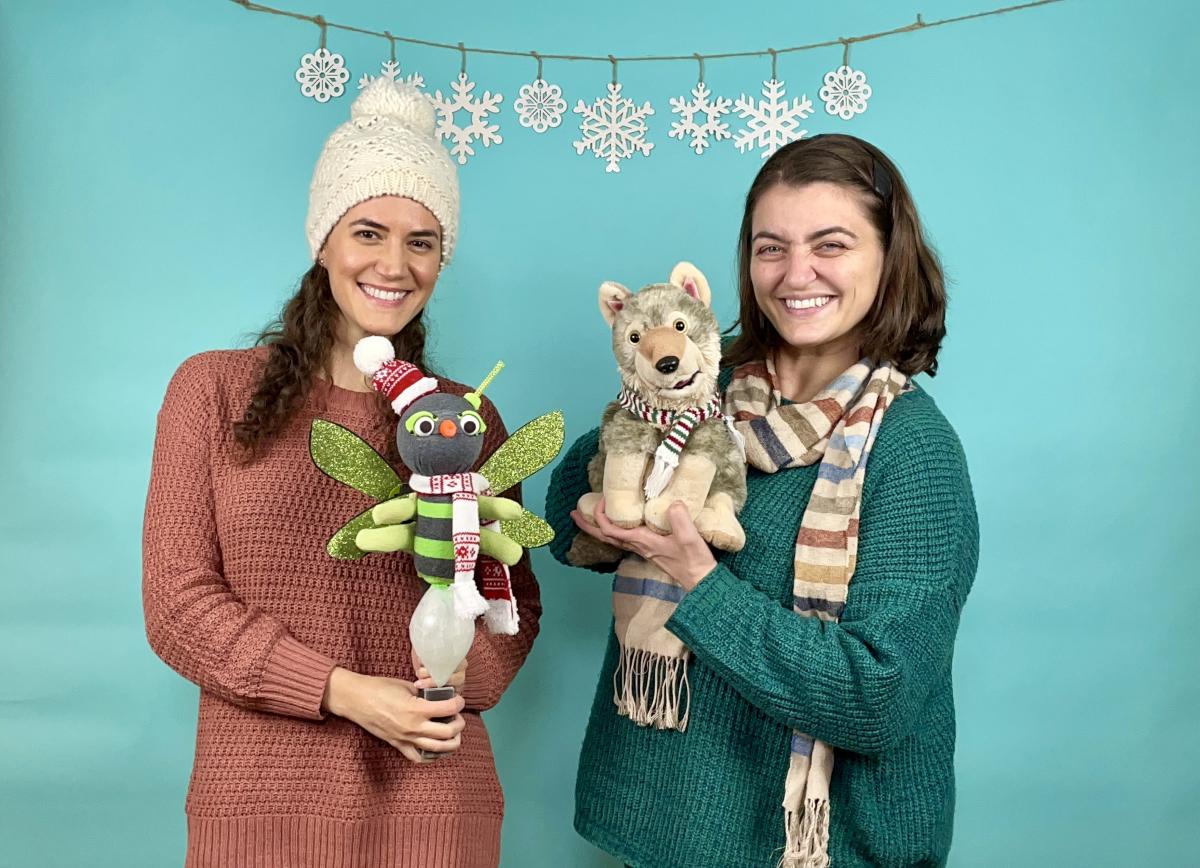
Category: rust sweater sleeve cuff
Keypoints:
(293, 680)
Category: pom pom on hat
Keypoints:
(402, 382)
(372, 352)
(398, 100)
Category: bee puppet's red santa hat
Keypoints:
(401, 381)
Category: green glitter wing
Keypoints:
(528, 531)
(343, 455)
(527, 451)
(346, 457)
(341, 544)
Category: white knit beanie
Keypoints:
(389, 147)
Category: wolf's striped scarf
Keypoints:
(838, 427)
(678, 424)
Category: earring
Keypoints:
(321, 261)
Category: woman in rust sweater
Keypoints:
(311, 731)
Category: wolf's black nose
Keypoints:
(667, 364)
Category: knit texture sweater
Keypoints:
(242, 599)
(876, 686)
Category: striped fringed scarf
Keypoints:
(678, 424)
(650, 684)
(838, 427)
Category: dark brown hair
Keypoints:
(299, 346)
(907, 322)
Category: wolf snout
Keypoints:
(667, 364)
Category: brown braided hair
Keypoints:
(299, 345)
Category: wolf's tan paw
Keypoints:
(720, 530)
(587, 505)
(656, 514)
(623, 508)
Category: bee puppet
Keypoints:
(439, 437)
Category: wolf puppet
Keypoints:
(664, 438)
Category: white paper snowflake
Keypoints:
(322, 75)
(613, 128)
(477, 107)
(846, 92)
(773, 122)
(710, 110)
(540, 105)
(391, 69)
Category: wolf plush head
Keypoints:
(665, 338)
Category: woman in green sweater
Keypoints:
(820, 727)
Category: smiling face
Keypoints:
(383, 259)
(815, 264)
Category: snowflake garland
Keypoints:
(540, 105)
(845, 92)
(613, 128)
(322, 75)
(391, 69)
(477, 107)
(772, 121)
(710, 110)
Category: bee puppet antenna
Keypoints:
(473, 398)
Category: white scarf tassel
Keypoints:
(469, 604)
(665, 462)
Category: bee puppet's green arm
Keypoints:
(396, 510)
(394, 530)
(497, 509)
(393, 538)
(500, 547)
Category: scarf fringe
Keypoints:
(469, 604)
(652, 689)
(807, 836)
(502, 617)
(665, 462)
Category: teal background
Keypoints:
(155, 162)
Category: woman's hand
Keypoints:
(682, 554)
(424, 679)
(391, 710)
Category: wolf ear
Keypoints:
(691, 280)
(612, 299)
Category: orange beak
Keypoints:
(447, 428)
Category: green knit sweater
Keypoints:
(876, 686)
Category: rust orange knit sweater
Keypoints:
(242, 599)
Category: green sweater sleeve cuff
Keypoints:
(709, 619)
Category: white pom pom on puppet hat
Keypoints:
(401, 381)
